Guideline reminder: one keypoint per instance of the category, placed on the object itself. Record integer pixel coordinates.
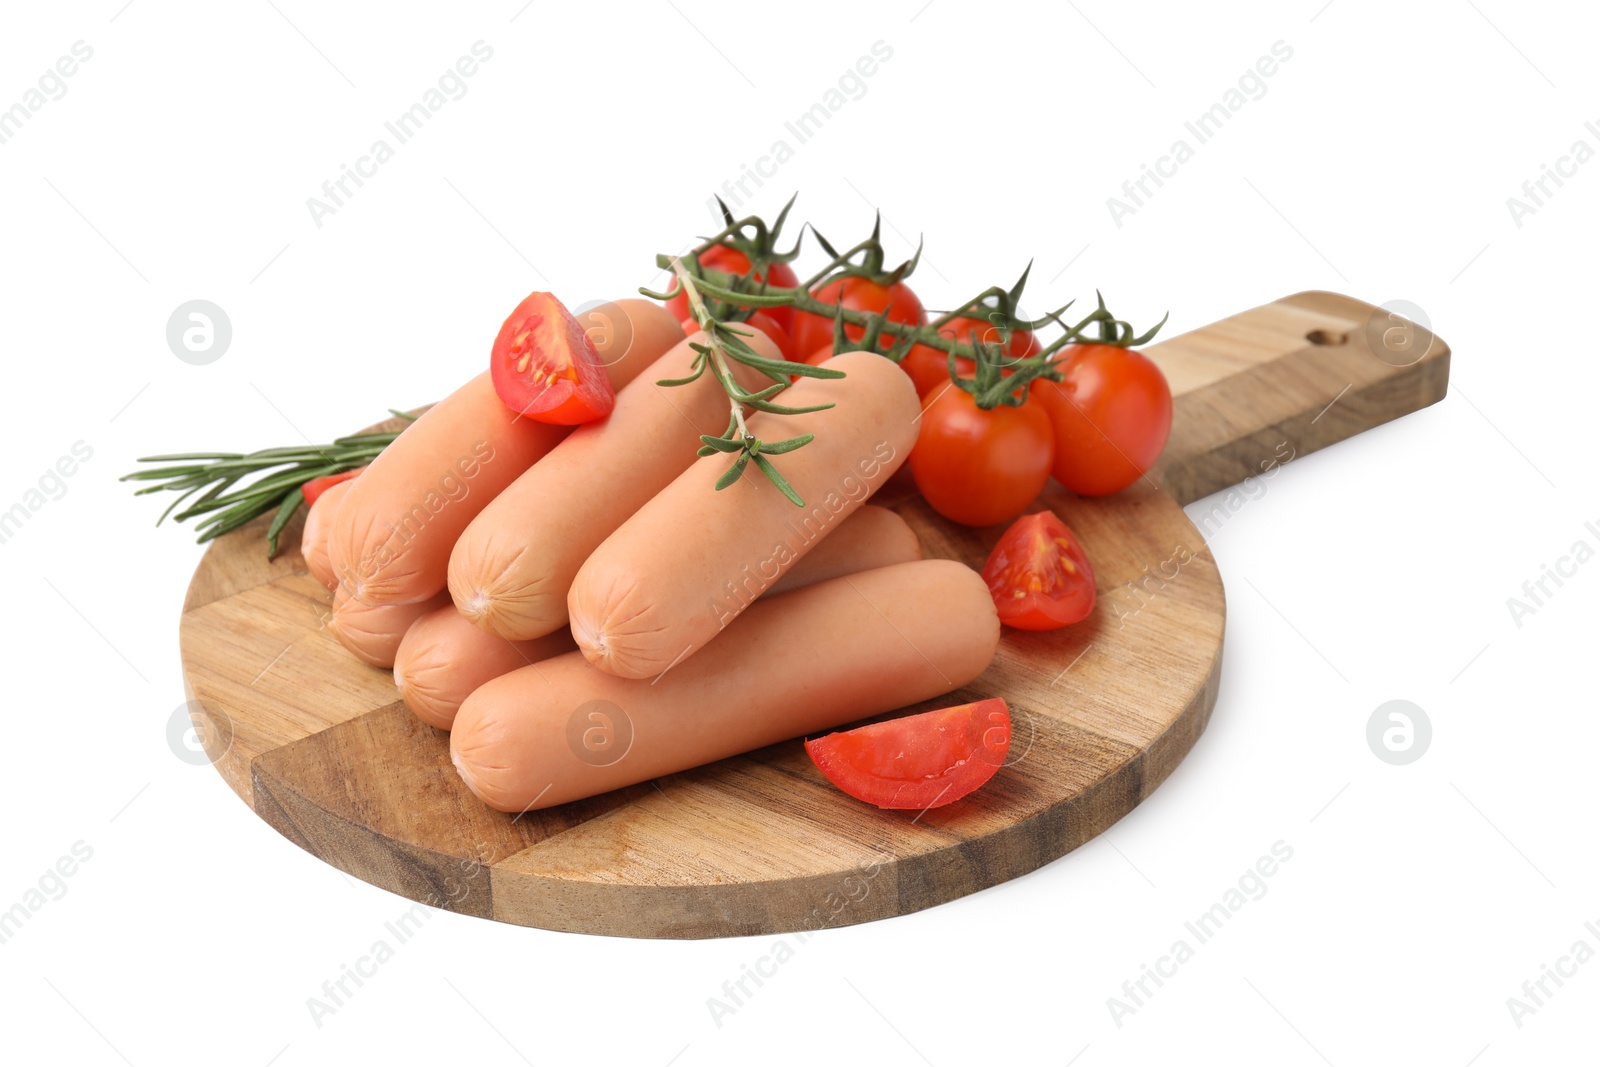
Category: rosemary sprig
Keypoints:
(726, 343)
(278, 475)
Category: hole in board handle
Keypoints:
(1327, 337)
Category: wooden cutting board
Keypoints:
(320, 747)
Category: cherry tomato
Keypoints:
(315, 487)
(1039, 576)
(733, 261)
(545, 367)
(811, 332)
(1112, 412)
(930, 368)
(921, 761)
(980, 467)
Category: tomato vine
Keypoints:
(719, 298)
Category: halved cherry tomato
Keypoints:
(930, 368)
(1112, 412)
(317, 486)
(733, 261)
(811, 332)
(918, 761)
(545, 367)
(1039, 576)
(980, 467)
(762, 321)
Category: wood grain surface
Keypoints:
(320, 747)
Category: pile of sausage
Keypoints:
(518, 576)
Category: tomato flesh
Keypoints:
(545, 367)
(1039, 575)
(921, 761)
(1111, 412)
(733, 261)
(811, 332)
(315, 487)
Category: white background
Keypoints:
(1378, 163)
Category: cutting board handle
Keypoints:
(1266, 385)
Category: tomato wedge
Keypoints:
(545, 367)
(1039, 576)
(918, 761)
(315, 487)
